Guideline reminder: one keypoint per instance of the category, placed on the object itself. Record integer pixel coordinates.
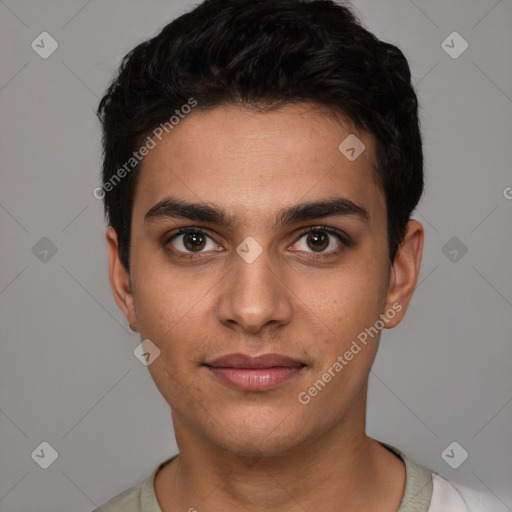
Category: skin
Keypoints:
(264, 450)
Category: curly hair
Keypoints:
(265, 54)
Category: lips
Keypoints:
(259, 373)
(263, 361)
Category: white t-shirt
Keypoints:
(445, 497)
(425, 491)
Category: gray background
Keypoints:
(68, 375)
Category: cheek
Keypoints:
(338, 315)
(345, 300)
(179, 334)
(167, 298)
(162, 317)
(341, 322)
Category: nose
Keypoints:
(254, 296)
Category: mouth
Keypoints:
(255, 373)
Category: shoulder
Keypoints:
(139, 498)
(461, 498)
(127, 501)
(445, 496)
(429, 492)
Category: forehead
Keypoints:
(253, 163)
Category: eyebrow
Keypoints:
(170, 207)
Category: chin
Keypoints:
(256, 447)
(260, 434)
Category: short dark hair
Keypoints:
(265, 54)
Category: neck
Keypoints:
(339, 469)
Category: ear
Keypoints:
(120, 280)
(404, 273)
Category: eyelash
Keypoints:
(342, 237)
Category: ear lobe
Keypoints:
(119, 279)
(405, 271)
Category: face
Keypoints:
(254, 234)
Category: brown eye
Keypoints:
(317, 240)
(321, 240)
(192, 241)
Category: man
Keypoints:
(261, 163)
